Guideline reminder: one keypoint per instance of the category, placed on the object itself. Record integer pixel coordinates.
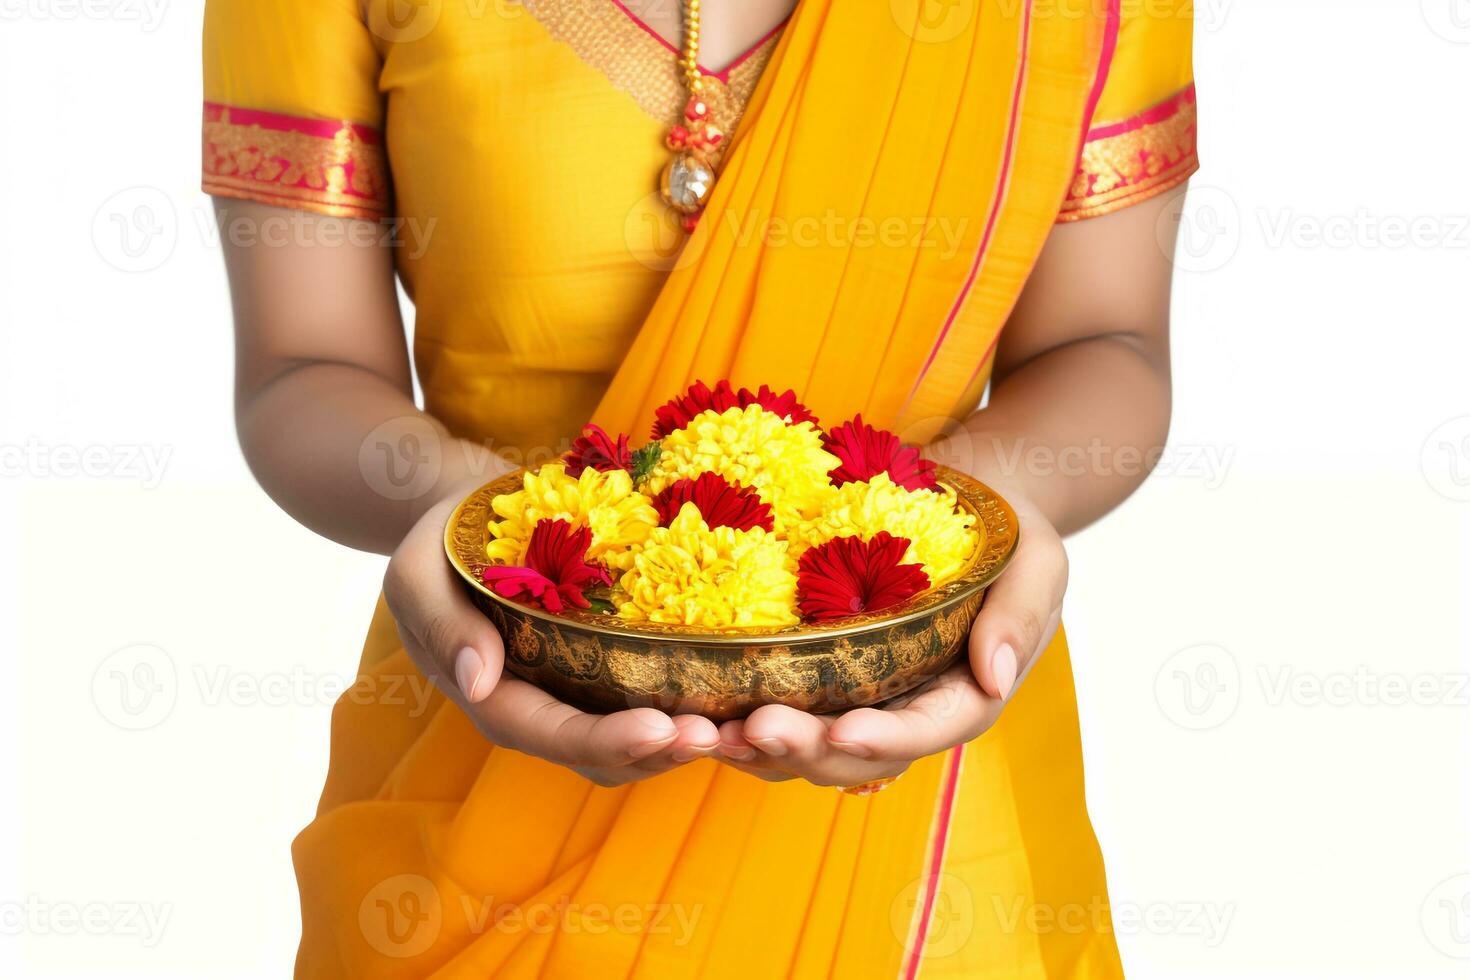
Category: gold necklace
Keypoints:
(689, 175)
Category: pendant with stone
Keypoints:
(689, 176)
(686, 183)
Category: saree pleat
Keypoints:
(907, 171)
(419, 776)
(612, 883)
(821, 924)
(701, 881)
(908, 272)
(510, 952)
(1051, 95)
(772, 832)
(386, 727)
(933, 324)
(834, 144)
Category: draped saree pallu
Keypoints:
(893, 177)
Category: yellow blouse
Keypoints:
(896, 169)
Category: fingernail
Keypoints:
(770, 746)
(739, 753)
(691, 752)
(643, 750)
(468, 669)
(1003, 667)
(854, 749)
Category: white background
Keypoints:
(1270, 639)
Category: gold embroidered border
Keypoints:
(1130, 161)
(641, 65)
(326, 166)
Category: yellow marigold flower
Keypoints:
(752, 447)
(942, 537)
(618, 515)
(719, 578)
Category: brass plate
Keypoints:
(600, 662)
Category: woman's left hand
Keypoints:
(1018, 619)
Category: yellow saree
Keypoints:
(896, 170)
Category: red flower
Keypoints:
(594, 448)
(846, 576)
(720, 503)
(701, 398)
(784, 404)
(556, 573)
(865, 452)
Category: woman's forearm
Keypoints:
(348, 454)
(1076, 429)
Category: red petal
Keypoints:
(701, 398)
(525, 585)
(784, 404)
(865, 452)
(596, 449)
(890, 582)
(720, 503)
(848, 575)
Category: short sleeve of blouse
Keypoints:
(1141, 141)
(292, 112)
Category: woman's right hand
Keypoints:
(458, 648)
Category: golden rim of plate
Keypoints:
(468, 531)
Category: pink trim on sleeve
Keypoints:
(328, 166)
(1130, 160)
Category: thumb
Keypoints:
(449, 639)
(1021, 612)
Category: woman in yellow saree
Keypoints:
(890, 201)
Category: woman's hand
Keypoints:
(1020, 616)
(460, 651)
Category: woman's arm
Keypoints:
(322, 384)
(323, 398)
(1079, 407)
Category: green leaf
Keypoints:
(645, 459)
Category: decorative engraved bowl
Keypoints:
(602, 663)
